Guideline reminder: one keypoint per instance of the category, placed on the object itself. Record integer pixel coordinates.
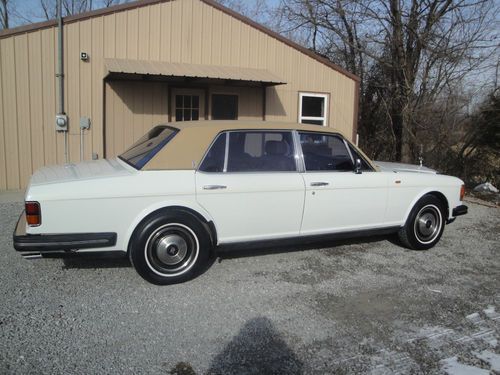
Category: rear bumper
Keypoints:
(53, 242)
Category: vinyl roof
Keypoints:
(186, 150)
(168, 69)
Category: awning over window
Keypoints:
(167, 69)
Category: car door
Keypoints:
(249, 183)
(338, 199)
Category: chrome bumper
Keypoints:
(457, 211)
(58, 242)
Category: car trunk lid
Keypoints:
(81, 171)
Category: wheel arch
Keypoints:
(433, 192)
(202, 216)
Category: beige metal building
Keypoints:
(131, 66)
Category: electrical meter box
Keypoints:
(61, 123)
(84, 123)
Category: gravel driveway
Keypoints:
(366, 306)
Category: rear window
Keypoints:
(148, 146)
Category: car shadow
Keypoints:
(91, 260)
(249, 249)
(286, 246)
(258, 348)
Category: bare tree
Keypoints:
(48, 8)
(4, 14)
(407, 52)
(257, 10)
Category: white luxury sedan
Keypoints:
(185, 189)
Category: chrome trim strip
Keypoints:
(226, 153)
(299, 155)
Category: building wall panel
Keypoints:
(86, 89)
(154, 32)
(23, 107)
(7, 56)
(134, 108)
(36, 94)
(3, 166)
(73, 90)
(97, 87)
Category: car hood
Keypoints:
(81, 171)
(400, 167)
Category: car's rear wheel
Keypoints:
(424, 225)
(169, 247)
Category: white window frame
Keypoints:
(324, 118)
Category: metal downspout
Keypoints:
(60, 73)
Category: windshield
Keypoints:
(148, 146)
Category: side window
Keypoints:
(214, 159)
(325, 153)
(260, 151)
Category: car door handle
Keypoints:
(214, 187)
(319, 183)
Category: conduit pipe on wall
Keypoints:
(60, 74)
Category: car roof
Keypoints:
(186, 150)
(225, 125)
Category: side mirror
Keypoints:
(357, 167)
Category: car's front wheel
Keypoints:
(424, 225)
(169, 247)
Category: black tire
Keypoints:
(169, 247)
(424, 225)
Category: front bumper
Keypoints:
(54, 242)
(460, 210)
(457, 211)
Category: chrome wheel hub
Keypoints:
(171, 250)
(428, 224)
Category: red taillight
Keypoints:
(33, 214)
(462, 192)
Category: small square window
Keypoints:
(313, 108)
(187, 107)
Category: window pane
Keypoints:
(313, 122)
(187, 101)
(214, 160)
(187, 115)
(195, 102)
(178, 101)
(325, 153)
(260, 152)
(196, 114)
(178, 115)
(312, 106)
